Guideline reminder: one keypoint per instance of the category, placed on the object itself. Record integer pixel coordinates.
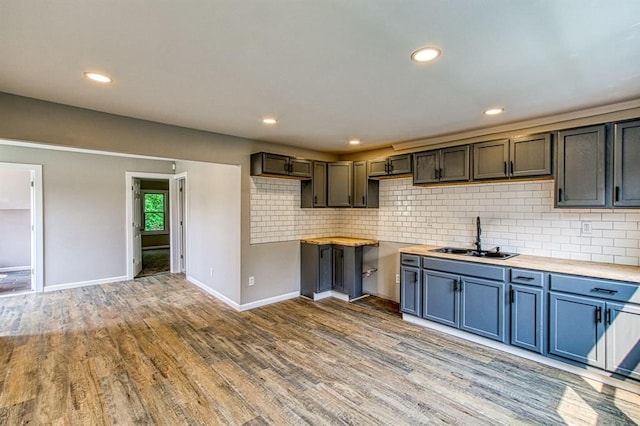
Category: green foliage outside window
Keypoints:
(154, 212)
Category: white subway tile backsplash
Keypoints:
(517, 217)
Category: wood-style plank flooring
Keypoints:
(160, 351)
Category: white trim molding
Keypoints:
(57, 287)
(15, 268)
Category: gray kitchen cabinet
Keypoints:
(530, 156)
(316, 269)
(626, 164)
(623, 339)
(410, 290)
(581, 162)
(441, 165)
(275, 165)
(347, 270)
(527, 307)
(340, 184)
(365, 190)
(313, 193)
(491, 159)
(441, 301)
(577, 328)
(396, 165)
(482, 307)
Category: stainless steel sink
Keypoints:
(497, 254)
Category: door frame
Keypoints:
(37, 259)
(129, 176)
(174, 200)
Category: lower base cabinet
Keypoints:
(527, 325)
(410, 291)
(330, 267)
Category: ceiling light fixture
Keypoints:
(494, 111)
(354, 142)
(425, 54)
(269, 120)
(100, 78)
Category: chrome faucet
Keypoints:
(478, 242)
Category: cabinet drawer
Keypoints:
(602, 289)
(465, 268)
(410, 259)
(523, 276)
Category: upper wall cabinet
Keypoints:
(313, 193)
(274, 165)
(441, 165)
(580, 180)
(340, 184)
(626, 164)
(396, 165)
(525, 156)
(365, 190)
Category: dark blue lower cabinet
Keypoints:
(482, 308)
(527, 317)
(441, 298)
(410, 291)
(576, 328)
(623, 339)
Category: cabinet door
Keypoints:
(426, 167)
(581, 167)
(360, 184)
(490, 159)
(623, 339)
(275, 164)
(325, 269)
(319, 184)
(340, 185)
(400, 164)
(526, 317)
(378, 167)
(300, 168)
(576, 328)
(440, 298)
(530, 156)
(338, 269)
(454, 164)
(482, 308)
(410, 291)
(626, 165)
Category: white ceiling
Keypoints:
(330, 70)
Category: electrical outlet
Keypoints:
(397, 278)
(586, 228)
(252, 281)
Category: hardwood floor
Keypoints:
(159, 350)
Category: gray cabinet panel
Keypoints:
(490, 272)
(400, 164)
(340, 185)
(454, 164)
(626, 165)
(377, 167)
(275, 164)
(623, 339)
(410, 291)
(426, 167)
(325, 270)
(482, 308)
(580, 179)
(577, 329)
(440, 298)
(490, 159)
(338, 269)
(313, 193)
(315, 269)
(527, 317)
(299, 168)
(360, 181)
(530, 155)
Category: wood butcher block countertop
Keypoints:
(341, 241)
(549, 264)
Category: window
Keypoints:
(154, 211)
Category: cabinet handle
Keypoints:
(505, 168)
(441, 174)
(415, 277)
(598, 315)
(386, 168)
(604, 290)
(560, 194)
(363, 201)
(511, 167)
(617, 194)
(390, 168)
(455, 286)
(512, 296)
(437, 174)
(524, 278)
(349, 199)
(315, 199)
(607, 318)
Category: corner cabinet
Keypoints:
(275, 165)
(580, 180)
(626, 164)
(340, 184)
(326, 267)
(441, 165)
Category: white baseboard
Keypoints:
(56, 287)
(15, 268)
(532, 356)
(323, 295)
(245, 306)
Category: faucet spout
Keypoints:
(478, 242)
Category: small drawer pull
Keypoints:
(524, 278)
(604, 290)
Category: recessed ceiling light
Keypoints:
(269, 120)
(100, 78)
(354, 142)
(494, 111)
(425, 54)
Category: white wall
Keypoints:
(213, 226)
(15, 191)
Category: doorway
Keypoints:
(20, 228)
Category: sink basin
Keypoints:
(475, 253)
